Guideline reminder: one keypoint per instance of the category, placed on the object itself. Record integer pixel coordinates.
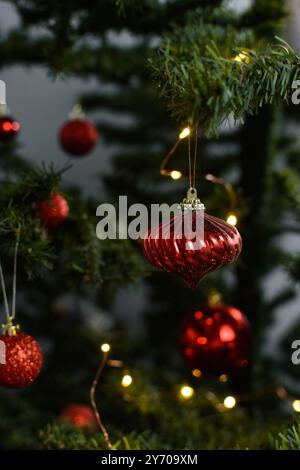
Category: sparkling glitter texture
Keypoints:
(24, 360)
(81, 416)
(216, 340)
(221, 245)
(54, 211)
(78, 137)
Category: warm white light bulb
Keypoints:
(176, 175)
(184, 133)
(105, 347)
(232, 219)
(126, 380)
(187, 392)
(296, 405)
(229, 402)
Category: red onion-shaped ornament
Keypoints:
(21, 358)
(216, 340)
(172, 248)
(53, 212)
(9, 128)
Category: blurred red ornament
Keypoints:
(78, 137)
(9, 127)
(81, 416)
(54, 211)
(221, 244)
(216, 340)
(21, 360)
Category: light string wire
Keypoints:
(218, 404)
(192, 180)
(105, 361)
(14, 288)
(95, 382)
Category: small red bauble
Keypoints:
(81, 416)
(23, 360)
(54, 211)
(9, 127)
(78, 137)
(221, 245)
(216, 340)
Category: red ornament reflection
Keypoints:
(216, 340)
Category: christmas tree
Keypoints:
(198, 95)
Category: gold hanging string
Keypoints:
(190, 160)
(195, 154)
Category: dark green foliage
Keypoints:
(289, 439)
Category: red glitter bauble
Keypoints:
(23, 360)
(9, 127)
(54, 211)
(216, 340)
(78, 137)
(221, 245)
(81, 416)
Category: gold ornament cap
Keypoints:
(191, 201)
(9, 328)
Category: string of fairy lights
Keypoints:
(185, 391)
(177, 174)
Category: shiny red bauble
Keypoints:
(81, 416)
(78, 137)
(221, 244)
(53, 212)
(216, 340)
(9, 127)
(21, 360)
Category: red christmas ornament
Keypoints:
(216, 340)
(220, 244)
(54, 211)
(78, 137)
(9, 127)
(81, 416)
(21, 360)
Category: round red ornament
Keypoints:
(170, 248)
(54, 211)
(78, 137)
(21, 360)
(9, 127)
(216, 340)
(81, 416)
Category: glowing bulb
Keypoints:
(232, 219)
(126, 380)
(105, 347)
(223, 378)
(187, 392)
(176, 175)
(184, 133)
(242, 57)
(296, 405)
(197, 373)
(229, 402)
